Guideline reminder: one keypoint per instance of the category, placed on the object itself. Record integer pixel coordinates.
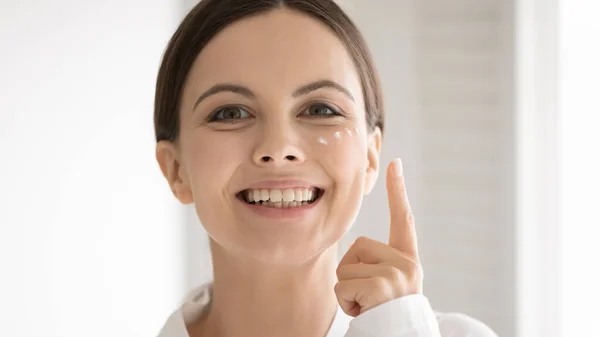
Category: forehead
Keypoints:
(275, 52)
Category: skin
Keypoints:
(280, 277)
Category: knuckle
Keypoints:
(395, 275)
(338, 287)
(360, 244)
(380, 283)
(414, 272)
(410, 217)
(361, 241)
(401, 187)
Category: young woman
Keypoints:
(269, 120)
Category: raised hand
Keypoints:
(372, 272)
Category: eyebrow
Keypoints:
(245, 91)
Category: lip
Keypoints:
(281, 213)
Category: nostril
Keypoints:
(267, 159)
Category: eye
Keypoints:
(228, 114)
(321, 109)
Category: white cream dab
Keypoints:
(338, 135)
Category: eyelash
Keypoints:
(334, 111)
(213, 116)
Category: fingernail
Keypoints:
(398, 167)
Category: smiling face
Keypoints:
(274, 150)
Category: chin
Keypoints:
(277, 250)
(294, 256)
(291, 248)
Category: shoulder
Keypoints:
(186, 318)
(461, 325)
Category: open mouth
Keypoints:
(281, 198)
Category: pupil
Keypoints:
(319, 110)
(232, 113)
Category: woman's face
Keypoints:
(273, 111)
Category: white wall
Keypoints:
(89, 231)
(537, 201)
(580, 166)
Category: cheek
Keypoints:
(212, 160)
(343, 155)
(342, 152)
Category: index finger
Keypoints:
(402, 225)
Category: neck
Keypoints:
(252, 299)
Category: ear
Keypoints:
(374, 140)
(168, 158)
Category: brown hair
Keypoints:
(209, 17)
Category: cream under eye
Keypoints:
(229, 114)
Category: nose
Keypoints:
(278, 147)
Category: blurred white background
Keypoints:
(492, 105)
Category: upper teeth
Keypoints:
(279, 195)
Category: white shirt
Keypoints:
(408, 316)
